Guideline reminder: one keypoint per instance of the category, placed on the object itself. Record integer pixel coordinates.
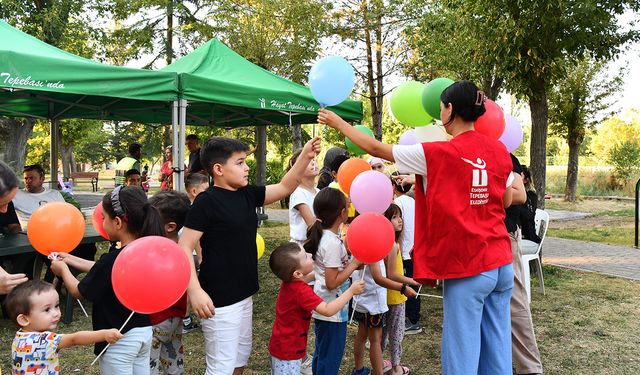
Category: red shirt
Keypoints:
(179, 310)
(459, 225)
(294, 305)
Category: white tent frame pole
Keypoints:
(175, 141)
(53, 147)
(183, 130)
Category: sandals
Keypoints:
(387, 367)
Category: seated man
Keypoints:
(34, 194)
(132, 178)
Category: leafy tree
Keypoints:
(531, 42)
(61, 23)
(625, 158)
(373, 29)
(613, 132)
(574, 106)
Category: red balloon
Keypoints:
(96, 218)
(55, 227)
(492, 122)
(150, 274)
(370, 237)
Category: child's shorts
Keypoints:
(370, 320)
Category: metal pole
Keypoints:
(175, 142)
(53, 147)
(637, 213)
(183, 130)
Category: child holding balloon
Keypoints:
(296, 301)
(35, 307)
(393, 331)
(301, 214)
(332, 269)
(127, 216)
(166, 346)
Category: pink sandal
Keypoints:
(387, 367)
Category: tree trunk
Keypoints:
(66, 153)
(572, 170)
(376, 113)
(14, 134)
(169, 41)
(261, 155)
(377, 100)
(539, 125)
(297, 136)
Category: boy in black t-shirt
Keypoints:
(224, 220)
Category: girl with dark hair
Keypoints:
(128, 216)
(460, 235)
(8, 219)
(332, 269)
(301, 214)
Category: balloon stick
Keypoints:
(430, 295)
(355, 303)
(120, 330)
(82, 307)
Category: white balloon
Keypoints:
(431, 133)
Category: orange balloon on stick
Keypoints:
(348, 172)
(55, 227)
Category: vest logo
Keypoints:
(480, 178)
(479, 194)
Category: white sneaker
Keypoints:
(305, 368)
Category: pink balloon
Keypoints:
(408, 138)
(512, 136)
(371, 191)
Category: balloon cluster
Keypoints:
(416, 104)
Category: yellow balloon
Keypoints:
(260, 245)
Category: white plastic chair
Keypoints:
(531, 251)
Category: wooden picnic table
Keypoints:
(18, 243)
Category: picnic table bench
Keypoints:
(91, 177)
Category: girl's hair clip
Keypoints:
(480, 98)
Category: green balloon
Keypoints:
(406, 104)
(431, 95)
(352, 146)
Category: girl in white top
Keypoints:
(301, 215)
(332, 269)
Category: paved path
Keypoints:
(620, 261)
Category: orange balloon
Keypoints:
(348, 172)
(55, 227)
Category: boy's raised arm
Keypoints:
(292, 179)
(89, 337)
(200, 301)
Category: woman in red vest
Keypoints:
(462, 187)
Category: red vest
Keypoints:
(459, 224)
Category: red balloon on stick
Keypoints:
(55, 227)
(150, 274)
(492, 122)
(370, 237)
(97, 218)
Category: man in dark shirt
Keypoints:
(193, 145)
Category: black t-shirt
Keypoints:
(528, 218)
(512, 219)
(228, 222)
(8, 217)
(194, 162)
(107, 312)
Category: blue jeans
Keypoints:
(476, 336)
(330, 341)
(130, 355)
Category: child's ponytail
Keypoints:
(131, 205)
(327, 206)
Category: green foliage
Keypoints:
(38, 145)
(625, 158)
(613, 131)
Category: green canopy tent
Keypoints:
(222, 88)
(42, 81)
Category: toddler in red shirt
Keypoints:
(296, 300)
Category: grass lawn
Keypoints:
(612, 221)
(586, 324)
